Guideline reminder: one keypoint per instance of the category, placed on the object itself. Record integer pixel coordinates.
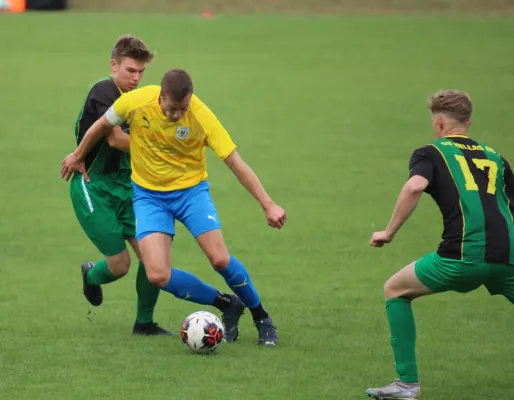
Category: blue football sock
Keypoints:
(239, 281)
(186, 286)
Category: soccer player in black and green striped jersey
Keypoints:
(473, 185)
(103, 200)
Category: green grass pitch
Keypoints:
(327, 111)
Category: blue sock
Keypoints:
(239, 281)
(186, 286)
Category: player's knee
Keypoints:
(220, 261)
(119, 264)
(391, 289)
(157, 277)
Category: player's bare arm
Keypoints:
(75, 161)
(275, 215)
(405, 206)
(118, 139)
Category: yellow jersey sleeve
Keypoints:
(123, 107)
(217, 137)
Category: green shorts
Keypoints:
(104, 210)
(443, 274)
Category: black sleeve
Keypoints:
(508, 178)
(102, 96)
(422, 164)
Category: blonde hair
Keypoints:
(453, 103)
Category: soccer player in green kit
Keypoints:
(473, 186)
(103, 199)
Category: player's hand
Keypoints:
(72, 163)
(378, 239)
(275, 216)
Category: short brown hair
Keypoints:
(177, 84)
(453, 103)
(131, 47)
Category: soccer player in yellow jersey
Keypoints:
(170, 128)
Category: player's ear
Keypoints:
(468, 124)
(114, 65)
(440, 122)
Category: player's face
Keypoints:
(127, 73)
(174, 110)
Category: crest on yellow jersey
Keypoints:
(182, 133)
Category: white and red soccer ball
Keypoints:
(202, 332)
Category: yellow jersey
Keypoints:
(167, 155)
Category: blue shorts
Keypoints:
(157, 211)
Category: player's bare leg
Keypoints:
(214, 247)
(147, 296)
(400, 290)
(155, 250)
(238, 279)
(113, 268)
(405, 284)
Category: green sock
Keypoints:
(403, 338)
(100, 274)
(147, 295)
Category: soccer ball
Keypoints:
(202, 332)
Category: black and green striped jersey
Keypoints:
(102, 159)
(474, 188)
